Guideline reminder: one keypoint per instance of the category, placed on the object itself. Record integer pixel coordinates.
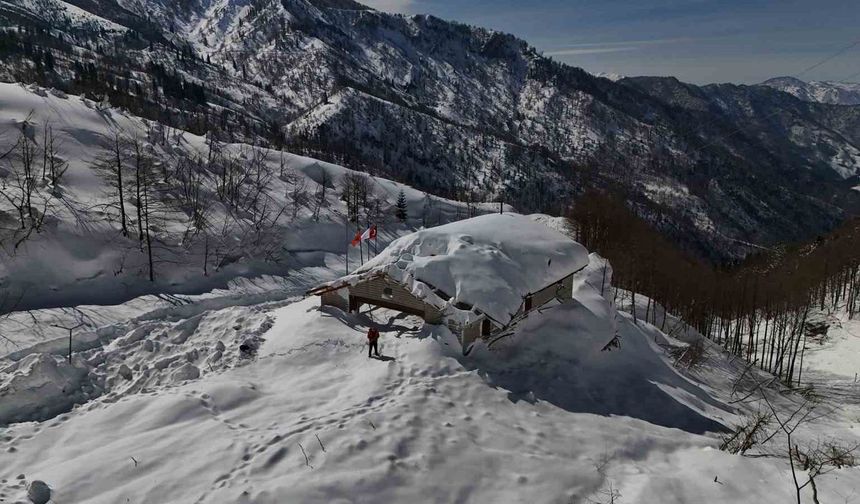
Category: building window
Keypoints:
(528, 303)
(486, 327)
(388, 293)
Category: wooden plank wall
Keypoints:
(374, 289)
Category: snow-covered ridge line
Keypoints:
(835, 93)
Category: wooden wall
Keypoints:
(562, 290)
(338, 298)
(397, 297)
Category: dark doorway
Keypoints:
(486, 327)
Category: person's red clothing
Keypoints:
(372, 334)
(372, 341)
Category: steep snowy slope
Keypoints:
(545, 417)
(217, 211)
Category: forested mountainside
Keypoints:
(459, 111)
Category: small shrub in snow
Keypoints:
(748, 434)
(691, 356)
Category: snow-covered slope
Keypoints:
(283, 212)
(546, 417)
(835, 93)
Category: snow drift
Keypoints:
(584, 356)
(40, 386)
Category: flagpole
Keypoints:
(346, 228)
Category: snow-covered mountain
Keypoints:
(614, 77)
(460, 111)
(834, 93)
(168, 197)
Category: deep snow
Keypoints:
(541, 416)
(252, 394)
(491, 262)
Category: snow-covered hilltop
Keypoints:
(835, 93)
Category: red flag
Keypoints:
(369, 233)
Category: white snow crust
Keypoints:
(490, 262)
(543, 416)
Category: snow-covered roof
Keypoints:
(487, 263)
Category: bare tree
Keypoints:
(357, 194)
(15, 192)
(118, 170)
(21, 191)
(297, 191)
(113, 165)
(56, 166)
(815, 460)
(146, 204)
(139, 172)
(320, 200)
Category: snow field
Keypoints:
(545, 417)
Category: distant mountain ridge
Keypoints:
(834, 93)
(455, 110)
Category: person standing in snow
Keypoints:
(372, 341)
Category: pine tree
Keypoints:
(400, 207)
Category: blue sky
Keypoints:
(699, 41)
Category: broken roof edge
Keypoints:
(343, 282)
(446, 304)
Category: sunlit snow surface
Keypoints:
(543, 416)
(491, 262)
